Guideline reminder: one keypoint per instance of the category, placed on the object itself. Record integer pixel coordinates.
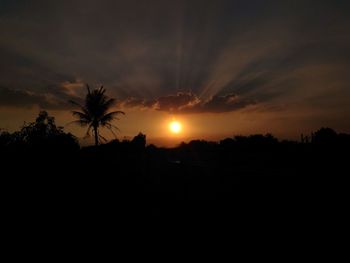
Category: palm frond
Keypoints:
(103, 138)
(102, 90)
(109, 103)
(79, 122)
(87, 135)
(88, 88)
(110, 116)
(81, 115)
(110, 127)
(75, 103)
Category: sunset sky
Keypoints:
(219, 67)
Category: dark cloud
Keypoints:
(24, 71)
(227, 103)
(51, 98)
(176, 103)
(20, 98)
(133, 102)
(187, 102)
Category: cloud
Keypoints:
(53, 97)
(230, 54)
(226, 103)
(177, 103)
(73, 88)
(22, 98)
(188, 102)
(133, 102)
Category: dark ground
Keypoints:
(195, 179)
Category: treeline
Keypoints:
(43, 141)
(45, 138)
(42, 158)
(44, 134)
(41, 135)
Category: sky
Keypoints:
(219, 67)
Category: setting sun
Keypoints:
(175, 127)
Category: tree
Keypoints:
(38, 131)
(95, 112)
(325, 136)
(43, 133)
(139, 141)
(5, 138)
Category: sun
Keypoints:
(175, 127)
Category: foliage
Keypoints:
(325, 136)
(139, 141)
(43, 133)
(95, 113)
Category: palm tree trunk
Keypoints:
(96, 135)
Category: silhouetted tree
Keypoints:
(44, 132)
(5, 138)
(139, 141)
(43, 127)
(325, 136)
(95, 112)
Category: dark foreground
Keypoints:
(133, 180)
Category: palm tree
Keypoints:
(95, 112)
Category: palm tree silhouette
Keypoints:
(95, 112)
